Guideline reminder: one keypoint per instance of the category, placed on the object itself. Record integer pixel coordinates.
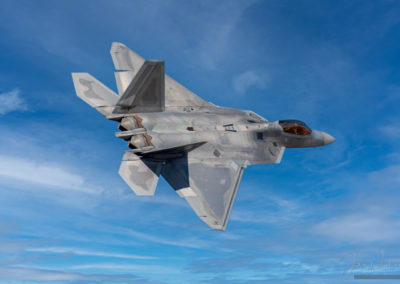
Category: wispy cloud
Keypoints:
(38, 274)
(158, 269)
(188, 242)
(77, 251)
(43, 173)
(385, 178)
(248, 80)
(370, 213)
(360, 228)
(274, 210)
(12, 101)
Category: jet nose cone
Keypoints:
(328, 139)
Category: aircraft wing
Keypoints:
(205, 174)
(208, 185)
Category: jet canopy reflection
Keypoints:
(296, 127)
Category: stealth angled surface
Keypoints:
(199, 148)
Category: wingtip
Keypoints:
(115, 45)
(78, 74)
(219, 228)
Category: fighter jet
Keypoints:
(199, 148)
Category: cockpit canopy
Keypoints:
(296, 127)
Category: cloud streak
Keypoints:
(360, 228)
(157, 269)
(12, 101)
(42, 173)
(37, 274)
(77, 251)
(188, 242)
(248, 80)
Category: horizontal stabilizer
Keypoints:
(94, 93)
(140, 174)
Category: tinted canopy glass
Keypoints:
(296, 127)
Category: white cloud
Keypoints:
(130, 267)
(11, 101)
(41, 173)
(300, 266)
(385, 178)
(188, 242)
(41, 275)
(31, 274)
(249, 79)
(273, 210)
(77, 251)
(360, 228)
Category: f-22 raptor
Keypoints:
(199, 148)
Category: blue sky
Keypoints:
(66, 215)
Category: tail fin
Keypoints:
(146, 91)
(140, 82)
(94, 93)
(128, 62)
(142, 85)
(125, 59)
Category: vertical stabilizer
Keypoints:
(125, 59)
(146, 92)
(128, 62)
(123, 79)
